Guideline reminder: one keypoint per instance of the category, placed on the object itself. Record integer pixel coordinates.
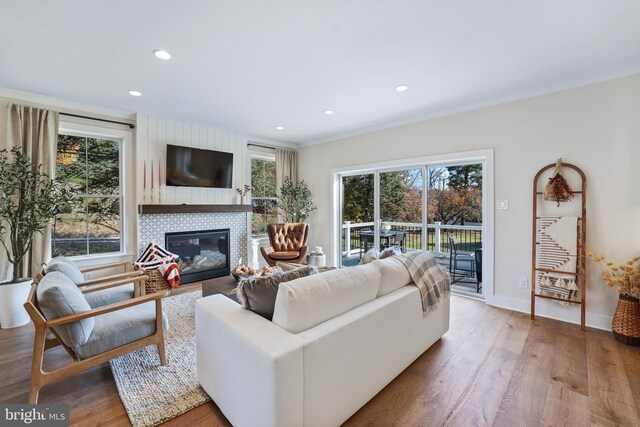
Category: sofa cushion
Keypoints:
(285, 255)
(309, 301)
(57, 297)
(120, 327)
(258, 293)
(66, 267)
(393, 275)
(110, 295)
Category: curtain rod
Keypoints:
(100, 120)
(261, 146)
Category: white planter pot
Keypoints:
(12, 298)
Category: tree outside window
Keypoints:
(90, 167)
(455, 196)
(263, 195)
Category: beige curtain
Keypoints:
(36, 131)
(286, 166)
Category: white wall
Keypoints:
(596, 127)
(153, 135)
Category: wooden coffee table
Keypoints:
(220, 285)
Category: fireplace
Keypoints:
(202, 254)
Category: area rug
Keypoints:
(151, 393)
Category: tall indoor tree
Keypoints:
(29, 200)
(295, 200)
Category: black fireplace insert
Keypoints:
(202, 254)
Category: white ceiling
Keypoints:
(253, 65)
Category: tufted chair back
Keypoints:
(289, 236)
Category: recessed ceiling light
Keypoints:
(279, 128)
(328, 112)
(402, 88)
(134, 93)
(162, 54)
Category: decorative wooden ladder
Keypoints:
(581, 266)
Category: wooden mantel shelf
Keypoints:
(173, 209)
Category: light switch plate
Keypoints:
(502, 204)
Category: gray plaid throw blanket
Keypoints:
(432, 281)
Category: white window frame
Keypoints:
(261, 155)
(127, 190)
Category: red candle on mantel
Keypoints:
(152, 174)
(144, 174)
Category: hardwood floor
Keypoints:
(493, 367)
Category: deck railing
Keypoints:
(469, 236)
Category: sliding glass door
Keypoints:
(425, 207)
(454, 218)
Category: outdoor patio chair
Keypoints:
(455, 256)
(399, 240)
(91, 336)
(366, 243)
(478, 256)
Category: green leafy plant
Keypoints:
(295, 200)
(29, 200)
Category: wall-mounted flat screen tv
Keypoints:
(194, 167)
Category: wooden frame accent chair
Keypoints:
(288, 242)
(126, 288)
(91, 335)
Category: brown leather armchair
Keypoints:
(288, 243)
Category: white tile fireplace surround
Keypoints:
(152, 227)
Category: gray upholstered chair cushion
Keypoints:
(110, 295)
(66, 267)
(258, 293)
(120, 327)
(57, 297)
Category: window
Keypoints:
(90, 166)
(263, 194)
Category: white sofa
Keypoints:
(336, 339)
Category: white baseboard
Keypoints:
(553, 311)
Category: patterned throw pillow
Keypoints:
(258, 293)
(153, 256)
(393, 250)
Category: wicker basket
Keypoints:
(155, 282)
(626, 321)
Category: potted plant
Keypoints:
(295, 201)
(29, 199)
(626, 277)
